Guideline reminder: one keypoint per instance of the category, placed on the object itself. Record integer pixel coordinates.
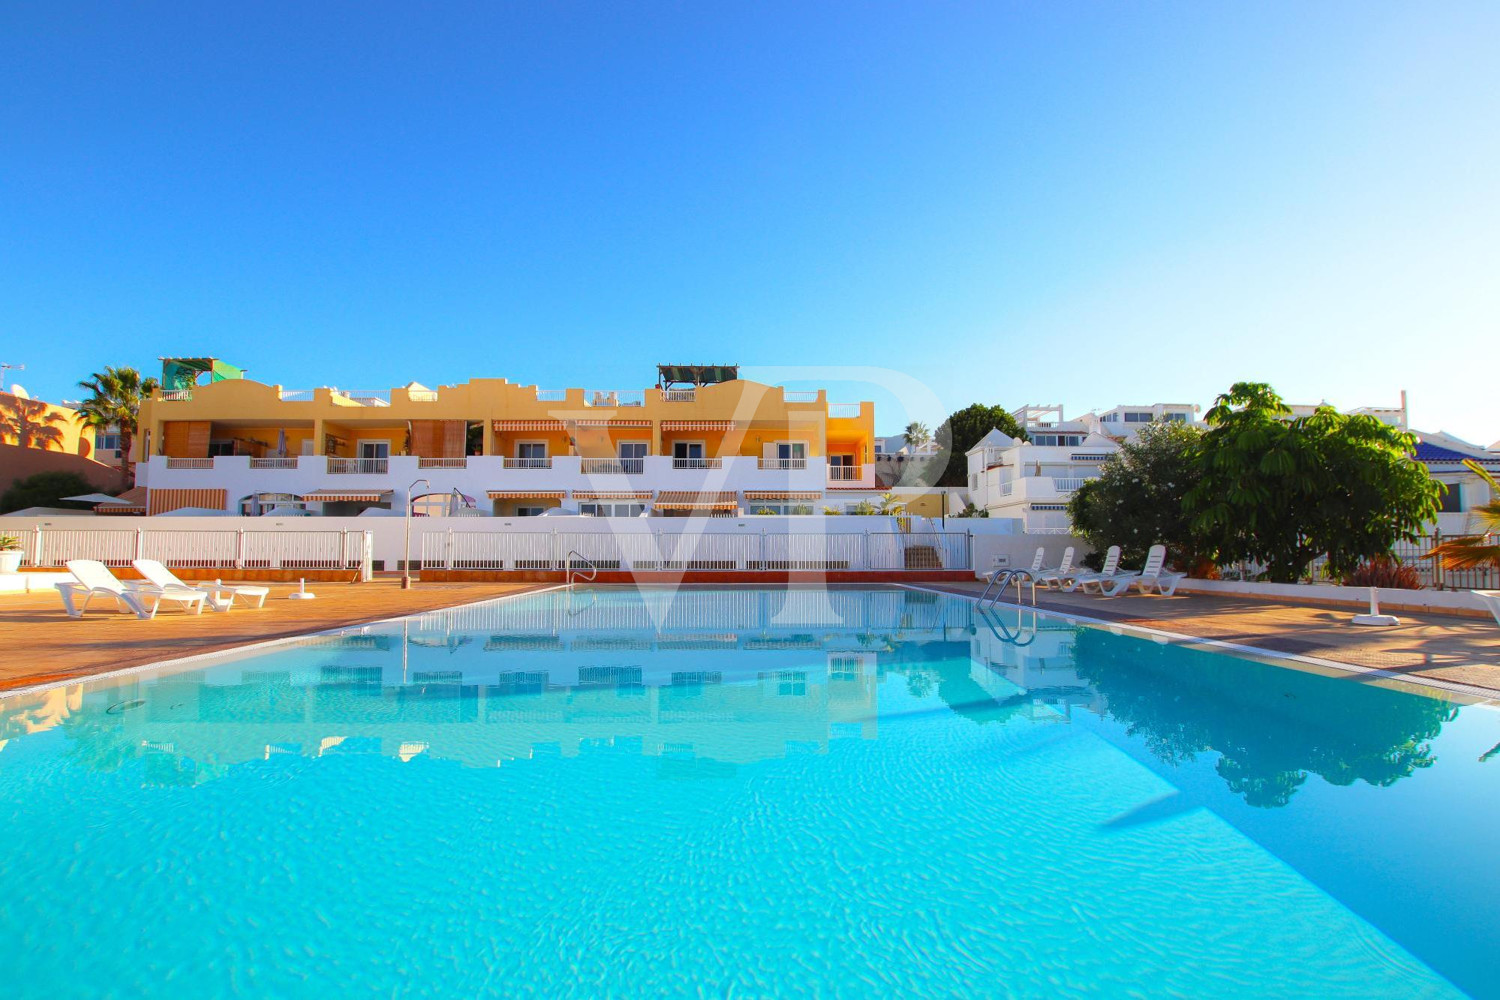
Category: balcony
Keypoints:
(442, 463)
(697, 463)
(679, 395)
(359, 466)
(783, 464)
(528, 463)
(190, 463)
(843, 411)
(845, 473)
(612, 466)
(799, 396)
(176, 395)
(297, 395)
(552, 395)
(273, 463)
(614, 397)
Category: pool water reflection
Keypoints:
(747, 791)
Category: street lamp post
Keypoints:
(406, 553)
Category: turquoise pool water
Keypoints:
(746, 793)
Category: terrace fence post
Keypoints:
(761, 562)
(1438, 582)
(447, 551)
(140, 543)
(36, 545)
(864, 549)
(553, 558)
(239, 548)
(367, 557)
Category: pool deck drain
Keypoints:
(45, 646)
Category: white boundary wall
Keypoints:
(859, 542)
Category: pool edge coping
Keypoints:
(253, 647)
(1486, 697)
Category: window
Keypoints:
(973, 480)
(1453, 500)
(1057, 440)
(1138, 417)
(529, 511)
(531, 449)
(374, 449)
(612, 509)
(688, 455)
(633, 456)
(794, 450)
(106, 441)
(263, 503)
(1180, 418)
(221, 446)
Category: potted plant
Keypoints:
(10, 554)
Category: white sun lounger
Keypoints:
(1154, 575)
(1082, 581)
(93, 579)
(1491, 600)
(220, 597)
(1063, 571)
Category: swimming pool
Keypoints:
(750, 792)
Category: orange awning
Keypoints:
(354, 496)
(698, 425)
(526, 494)
(137, 504)
(781, 495)
(528, 425)
(687, 500)
(612, 494)
(161, 501)
(610, 422)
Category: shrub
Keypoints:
(45, 489)
(1384, 571)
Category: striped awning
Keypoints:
(161, 501)
(688, 500)
(525, 494)
(612, 494)
(699, 425)
(528, 425)
(782, 495)
(348, 496)
(610, 422)
(136, 503)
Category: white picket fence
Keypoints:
(202, 548)
(682, 550)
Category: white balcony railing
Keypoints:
(551, 395)
(422, 395)
(679, 395)
(614, 397)
(697, 463)
(359, 466)
(273, 463)
(176, 395)
(843, 411)
(845, 473)
(442, 463)
(783, 463)
(612, 466)
(190, 463)
(297, 395)
(528, 463)
(799, 396)
(1068, 485)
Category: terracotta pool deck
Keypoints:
(1452, 648)
(44, 645)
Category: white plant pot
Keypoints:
(10, 561)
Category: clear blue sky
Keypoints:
(1085, 204)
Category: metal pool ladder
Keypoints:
(571, 574)
(1002, 578)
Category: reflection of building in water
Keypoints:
(1020, 655)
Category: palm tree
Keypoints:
(917, 434)
(1476, 550)
(891, 504)
(29, 422)
(116, 399)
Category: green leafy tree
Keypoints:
(115, 399)
(45, 489)
(962, 431)
(1137, 501)
(1283, 491)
